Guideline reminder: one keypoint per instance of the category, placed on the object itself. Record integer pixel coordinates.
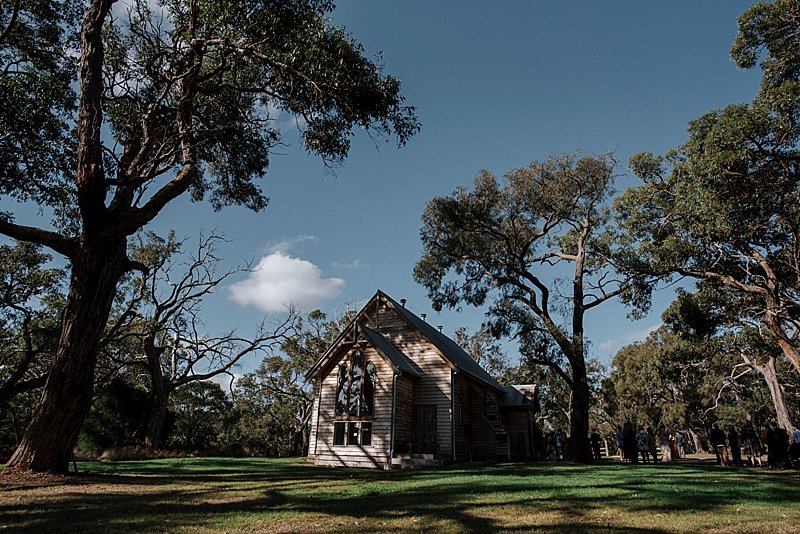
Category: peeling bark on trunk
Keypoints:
(770, 375)
(159, 400)
(48, 441)
(159, 393)
(698, 445)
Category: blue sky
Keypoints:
(496, 86)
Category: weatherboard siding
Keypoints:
(312, 439)
(418, 381)
(516, 423)
(433, 386)
(483, 444)
(473, 435)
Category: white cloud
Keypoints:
(353, 265)
(612, 345)
(289, 243)
(280, 280)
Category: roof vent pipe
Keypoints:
(440, 328)
(423, 316)
(403, 302)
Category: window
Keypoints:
(338, 433)
(358, 433)
(342, 390)
(366, 433)
(357, 376)
(355, 390)
(355, 395)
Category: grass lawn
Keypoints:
(268, 495)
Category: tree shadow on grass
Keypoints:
(158, 497)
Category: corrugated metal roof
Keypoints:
(449, 348)
(387, 349)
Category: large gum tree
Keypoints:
(725, 206)
(510, 243)
(169, 99)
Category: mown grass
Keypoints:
(269, 495)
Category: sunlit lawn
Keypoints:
(267, 495)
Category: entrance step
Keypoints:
(415, 461)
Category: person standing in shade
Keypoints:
(651, 444)
(718, 441)
(794, 446)
(736, 451)
(752, 446)
(631, 449)
(664, 442)
(619, 437)
(679, 444)
(594, 438)
(643, 443)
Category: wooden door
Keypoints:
(427, 437)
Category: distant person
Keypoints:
(631, 448)
(718, 441)
(559, 445)
(794, 446)
(594, 438)
(752, 445)
(777, 448)
(619, 438)
(736, 451)
(664, 442)
(679, 443)
(651, 444)
(643, 444)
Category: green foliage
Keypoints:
(116, 419)
(553, 392)
(724, 206)
(37, 155)
(702, 366)
(510, 243)
(485, 349)
(30, 307)
(201, 411)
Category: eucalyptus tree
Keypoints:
(30, 295)
(161, 323)
(725, 206)
(30, 304)
(168, 99)
(722, 330)
(510, 242)
(485, 349)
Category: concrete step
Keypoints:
(415, 456)
(415, 461)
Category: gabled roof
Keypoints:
(349, 338)
(452, 352)
(388, 350)
(448, 348)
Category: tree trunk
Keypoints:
(770, 375)
(159, 401)
(698, 445)
(159, 392)
(579, 446)
(771, 319)
(67, 395)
